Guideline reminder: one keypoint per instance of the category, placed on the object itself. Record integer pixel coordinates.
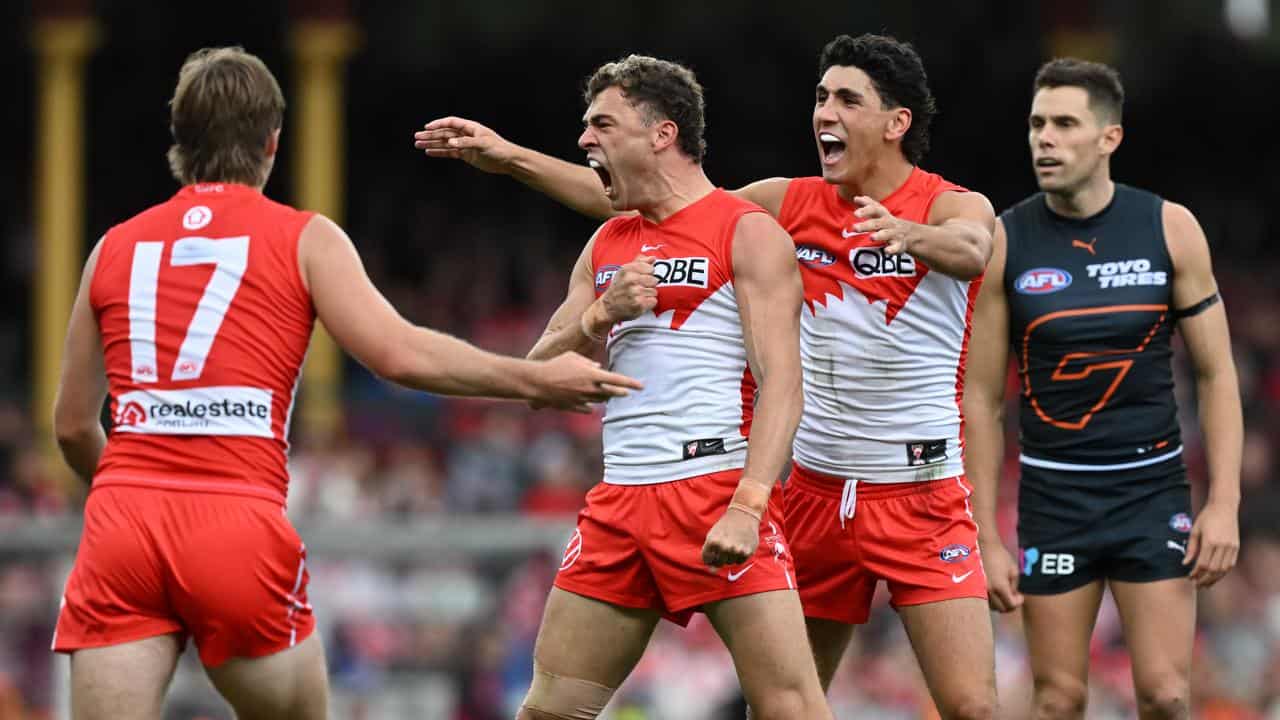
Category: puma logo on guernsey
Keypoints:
(1085, 245)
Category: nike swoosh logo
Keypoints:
(733, 576)
(847, 234)
(960, 578)
(1175, 546)
(647, 248)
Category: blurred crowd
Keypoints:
(452, 638)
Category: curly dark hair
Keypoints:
(899, 77)
(1101, 82)
(659, 89)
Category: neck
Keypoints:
(878, 179)
(1085, 200)
(672, 189)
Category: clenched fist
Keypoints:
(633, 292)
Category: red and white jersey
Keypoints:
(205, 322)
(883, 341)
(694, 414)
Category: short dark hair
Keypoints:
(1101, 82)
(659, 89)
(898, 75)
(224, 109)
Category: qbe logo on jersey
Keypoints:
(221, 410)
(685, 271)
(1042, 281)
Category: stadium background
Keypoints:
(434, 526)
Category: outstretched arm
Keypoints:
(956, 241)
(1215, 536)
(366, 325)
(575, 186)
(986, 369)
(769, 292)
(82, 388)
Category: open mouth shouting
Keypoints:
(602, 172)
(832, 148)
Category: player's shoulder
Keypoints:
(1032, 204)
(934, 183)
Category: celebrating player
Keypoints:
(891, 258)
(195, 316)
(698, 295)
(1087, 280)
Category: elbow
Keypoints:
(396, 365)
(972, 265)
(73, 432)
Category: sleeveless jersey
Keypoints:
(204, 321)
(883, 341)
(694, 415)
(1090, 325)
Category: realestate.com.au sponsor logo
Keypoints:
(224, 410)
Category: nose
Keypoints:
(587, 139)
(824, 113)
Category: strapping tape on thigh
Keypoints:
(565, 698)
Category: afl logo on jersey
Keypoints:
(604, 276)
(954, 553)
(1042, 281)
(814, 256)
(197, 217)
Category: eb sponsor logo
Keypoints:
(1042, 281)
(814, 256)
(1048, 563)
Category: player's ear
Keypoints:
(898, 125)
(1110, 139)
(665, 135)
(273, 143)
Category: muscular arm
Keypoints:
(769, 292)
(984, 382)
(1208, 343)
(367, 326)
(574, 186)
(957, 240)
(82, 387)
(567, 329)
(767, 285)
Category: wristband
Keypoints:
(735, 505)
(752, 495)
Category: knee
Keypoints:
(789, 705)
(1166, 700)
(1060, 699)
(976, 706)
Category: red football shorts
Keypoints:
(640, 546)
(227, 570)
(919, 537)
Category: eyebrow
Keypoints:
(596, 118)
(843, 93)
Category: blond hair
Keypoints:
(224, 110)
